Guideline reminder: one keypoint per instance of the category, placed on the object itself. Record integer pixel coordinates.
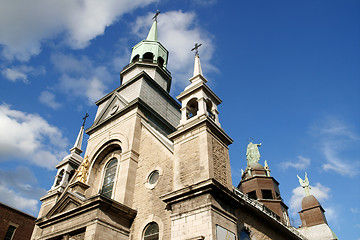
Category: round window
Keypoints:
(153, 177)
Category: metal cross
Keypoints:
(86, 116)
(156, 15)
(196, 48)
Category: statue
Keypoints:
(305, 184)
(252, 153)
(83, 170)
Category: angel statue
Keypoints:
(305, 184)
(252, 153)
(83, 170)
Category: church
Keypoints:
(157, 168)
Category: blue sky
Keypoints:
(287, 72)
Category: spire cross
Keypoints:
(196, 48)
(86, 116)
(156, 15)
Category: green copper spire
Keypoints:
(153, 34)
(150, 50)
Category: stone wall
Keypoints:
(153, 155)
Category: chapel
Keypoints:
(157, 168)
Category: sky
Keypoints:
(288, 73)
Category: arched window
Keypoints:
(109, 177)
(136, 58)
(148, 57)
(209, 108)
(160, 61)
(151, 231)
(192, 108)
(59, 178)
(72, 172)
(244, 235)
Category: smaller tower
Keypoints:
(198, 100)
(201, 164)
(200, 144)
(312, 215)
(65, 170)
(257, 183)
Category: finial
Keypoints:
(305, 184)
(267, 169)
(265, 164)
(86, 116)
(156, 15)
(196, 48)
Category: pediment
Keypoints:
(113, 105)
(66, 203)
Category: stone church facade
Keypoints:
(155, 169)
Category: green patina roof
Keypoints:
(151, 44)
(153, 34)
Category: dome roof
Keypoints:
(256, 166)
(309, 202)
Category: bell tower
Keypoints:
(200, 144)
(201, 165)
(65, 170)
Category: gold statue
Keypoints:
(83, 170)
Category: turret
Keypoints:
(257, 183)
(66, 168)
(65, 171)
(312, 215)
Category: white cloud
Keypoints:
(25, 25)
(10, 197)
(333, 127)
(21, 73)
(13, 75)
(354, 210)
(302, 163)
(80, 77)
(178, 32)
(29, 137)
(48, 99)
(322, 193)
(336, 163)
(18, 188)
(337, 143)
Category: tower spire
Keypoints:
(78, 142)
(153, 33)
(77, 146)
(152, 54)
(197, 65)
